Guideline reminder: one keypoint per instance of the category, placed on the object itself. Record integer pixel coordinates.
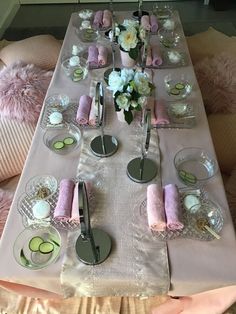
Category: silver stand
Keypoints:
(93, 246)
(143, 169)
(102, 145)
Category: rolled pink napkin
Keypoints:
(92, 56)
(75, 217)
(102, 55)
(153, 23)
(161, 116)
(107, 18)
(155, 208)
(149, 56)
(62, 211)
(156, 56)
(93, 113)
(172, 208)
(82, 116)
(145, 22)
(98, 19)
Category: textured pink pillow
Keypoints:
(217, 80)
(22, 91)
(41, 50)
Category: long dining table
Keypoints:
(139, 264)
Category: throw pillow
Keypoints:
(223, 133)
(217, 81)
(5, 204)
(41, 50)
(15, 140)
(22, 91)
(209, 43)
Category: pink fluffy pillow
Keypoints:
(5, 203)
(217, 80)
(22, 91)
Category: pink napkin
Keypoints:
(149, 56)
(155, 208)
(92, 56)
(145, 22)
(62, 211)
(107, 18)
(98, 17)
(156, 56)
(102, 55)
(75, 204)
(82, 116)
(153, 23)
(160, 113)
(173, 208)
(93, 113)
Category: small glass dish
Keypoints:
(162, 11)
(208, 215)
(194, 166)
(57, 101)
(178, 86)
(37, 247)
(182, 112)
(87, 35)
(76, 72)
(41, 187)
(63, 140)
(169, 39)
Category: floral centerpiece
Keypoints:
(130, 36)
(130, 90)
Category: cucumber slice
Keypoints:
(54, 242)
(179, 86)
(187, 177)
(89, 31)
(78, 72)
(174, 91)
(58, 145)
(69, 141)
(76, 79)
(34, 243)
(23, 259)
(46, 247)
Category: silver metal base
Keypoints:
(141, 170)
(101, 243)
(104, 148)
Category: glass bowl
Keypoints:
(76, 72)
(194, 166)
(85, 14)
(162, 11)
(168, 38)
(63, 140)
(208, 214)
(37, 247)
(178, 86)
(41, 187)
(57, 101)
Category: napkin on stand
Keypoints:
(98, 19)
(62, 211)
(153, 23)
(161, 115)
(92, 56)
(155, 208)
(82, 116)
(107, 18)
(172, 208)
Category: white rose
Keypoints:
(142, 83)
(130, 23)
(142, 101)
(128, 39)
(133, 103)
(127, 75)
(115, 82)
(123, 102)
(130, 89)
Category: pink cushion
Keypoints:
(22, 91)
(41, 50)
(217, 80)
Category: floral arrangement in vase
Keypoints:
(130, 91)
(130, 36)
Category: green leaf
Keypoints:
(122, 27)
(128, 116)
(133, 53)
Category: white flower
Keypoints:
(130, 23)
(142, 83)
(142, 101)
(123, 101)
(73, 61)
(133, 103)
(130, 89)
(127, 75)
(115, 82)
(128, 39)
(117, 31)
